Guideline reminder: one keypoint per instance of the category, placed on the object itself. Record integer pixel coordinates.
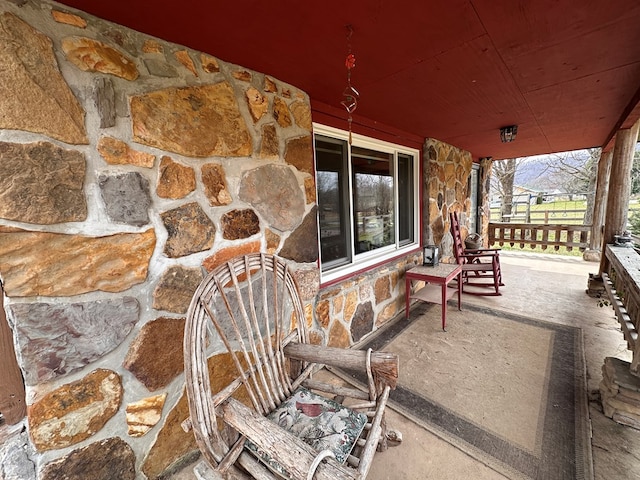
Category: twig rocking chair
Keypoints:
(255, 409)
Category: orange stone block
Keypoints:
(199, 121)
(281, 113)
(322, 313)
(155, 357)
(387, 314)
(315, 338)
(302, 114)
(338, 303)
(270, 145)
(382, 289)
(172, 443)
(308, 314)
(215, 185)
(68, 18)
(209, 63)
(299, 153)
(75, 411)
(273, 240)
(144, 414)
(270, 86)
(152, 46)
(48, 107)
(92, 56)
(228, 253)
(258, 103)
(351, 304)
(183, 57)
(339, 336)
(242, 75)
(174, 179)
(56, 264)
(310, 190)
(117, 152)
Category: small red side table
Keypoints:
(440, 275)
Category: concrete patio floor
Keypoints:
(552, 288)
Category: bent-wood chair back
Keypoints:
(246, 352)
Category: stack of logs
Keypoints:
(620, 392)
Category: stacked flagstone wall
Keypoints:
(350, 311)
(447, 170)
(130, 167)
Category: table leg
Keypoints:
(444, 305)
(407, 293)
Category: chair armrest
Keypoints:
(480, 250)
(384, 365)
(477, 255)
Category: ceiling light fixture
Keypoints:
(508, 134)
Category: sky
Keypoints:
(534, 171)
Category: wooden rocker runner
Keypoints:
(255, 409)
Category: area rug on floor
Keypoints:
(507, 389)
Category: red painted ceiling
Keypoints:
(567, 72)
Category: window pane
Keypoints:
(372, 199)
(331, 162)
(367, 205)
(405, 199)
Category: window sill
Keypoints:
(342, 274)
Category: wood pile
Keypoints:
(620, 392)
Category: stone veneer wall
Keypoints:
(447, 171)
(350, 311)
(130, 167)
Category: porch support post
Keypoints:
(484, 206)
(599, 206)
(619, 189)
